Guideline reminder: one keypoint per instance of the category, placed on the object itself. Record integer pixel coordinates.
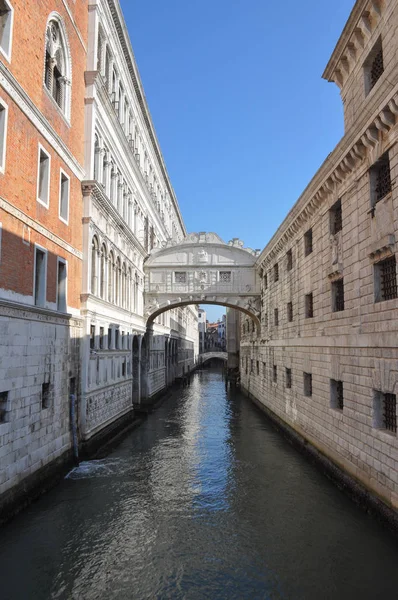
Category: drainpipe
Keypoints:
(74, 427)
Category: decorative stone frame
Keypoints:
(66, 109)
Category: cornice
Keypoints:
(25, 104)
(342, 163)
(125, 43)
(35, 313)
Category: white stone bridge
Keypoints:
(209, 355)
(202, 269)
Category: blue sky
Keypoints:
(242, 114)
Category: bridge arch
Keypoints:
(209, 355)
(202, 269)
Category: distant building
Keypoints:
(221, 332)
(202, 329)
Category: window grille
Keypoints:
(180, 277)
(276, 272)
(382, 178)
(338, 295)
(265, 281)
(289, 260)
(390, 412)
(290, 311)
(309, 306)
(258, 367)
(288, 378)
(336, 218)
(45, 395)
(275, 373)
(388, 278)
(307, 384)
(109, 338)
(225, 276)
(376, 68)
(92, 336)
(336, 394)
(251, 365)
(276, 316)
(3, 406)
(308, 242)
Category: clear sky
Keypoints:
(241, 112)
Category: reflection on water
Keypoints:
(204, 500)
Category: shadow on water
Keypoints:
(204, 500)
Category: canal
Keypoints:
(203, 501)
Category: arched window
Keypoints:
(117, 286)
(57, 76)
(136, 293)
(94, 267)
(124, 286)
(129, 284)
(103, 272)
(111, 270)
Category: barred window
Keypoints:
(275, 373)
(336, 394)
(180, 277)
(380, 179)
(276, 316)
(309, 306)
(308, 242)
(225, 276)
(338, 295)
(336, 218)
(288, 378)
(265, 281)
(289, 260)
(290, 311)
(307, 384)
(4, 408)
(373, 66)
(386, 279)
(385, 411)
(258, 367)
(276, 272)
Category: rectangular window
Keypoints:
(251, 365)
(288, 373)
(336, 394)
(180, 277)
(43, 177)
(264, 369)
(308, 242)
(61, 285)
(3, 131)
(338, 295)
(101, 338)
(117, 337)
(275, 374)
(335, 218)
(92, 337)
(289, 260)
(225, 277)
(385, 275)
(246, 366)
(307, 384)
(109, 338)
(380, 179)
(276, 316)
(4, 408)
(289, 311)
(309, 306)
(45, 395)
(122, 339)
(64, 190)
(276, 272)
(6, 21)
(266, 320)
(265, 281)
(258, 367)
(385, 411)
(40, 275)
(124, 368)
(373, 67)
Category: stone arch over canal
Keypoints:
(202, 269)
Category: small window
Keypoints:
(275, 374)
(258, 367)
(338, 295)
(124, 368)
(3, 131)
(180, 277)
(276, 316)
(309, 306)
(385, 274)
(109, 338)
(308, 242)
(289, 307)
(380, 180)
(246, 366)
(307, 384)
(336, 394)
(251, 365)
(40, 282)
(122, 339)
(373, 67)
(64, 187)
(4, 408)
(43, 177)
(276, 272)
(92, 337)
(61, 285)
(265, 281)
(264, 369)
(288, 373)
(101, 338)
(225, 276)
(385, 411)
(117, 339)
(6, 19)
(335, 218)
(45, 395)
(289, 260)
(266, 320)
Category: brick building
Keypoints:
(326, 359)
(42, 60)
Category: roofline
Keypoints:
(352, 21)
(124, 38)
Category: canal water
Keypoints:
(203, 501)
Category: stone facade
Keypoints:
(326, 360)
